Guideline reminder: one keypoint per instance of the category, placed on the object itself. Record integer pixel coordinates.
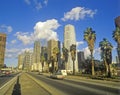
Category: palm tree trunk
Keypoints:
(106, 65)
(53, 67)
(118, 50)
(92, 61)
(73, 67)
(109, 73)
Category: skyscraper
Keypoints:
(27, 60)
(36, 56)
(36, 52)
(51, 45)
(20, 61)
(2, 48)
(69, 39)
(81, 59)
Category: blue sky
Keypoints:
(27, 20)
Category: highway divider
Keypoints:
(8, 85)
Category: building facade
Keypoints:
(2, 48)
(69, 39)
(36, 53)
(50, 46)
(27, 60)
(20, 61)
(81, 59)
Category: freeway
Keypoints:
(4, 79)
(71, 87)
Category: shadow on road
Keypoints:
(17, 88)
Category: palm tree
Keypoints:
(55, 56)
(116, 37)
(65, 56)
(73, 55)
(42, 61)
(90, 37)
(106, 54)
(53, 65)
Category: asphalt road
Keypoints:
(5, 79)
(71, 87)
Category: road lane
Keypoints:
(77, 88)
(24, 85)
(5, 79)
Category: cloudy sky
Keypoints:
(25, 21)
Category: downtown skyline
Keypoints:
(25, 21)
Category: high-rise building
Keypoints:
(2, 48)
(27, 60)
(51, 45)
(37, 66)
(81, 59)
(69, 39)
(20, 61)
(44, 52)
(37, 52)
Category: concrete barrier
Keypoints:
(7, 86)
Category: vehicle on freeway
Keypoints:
(7, 73)
(60, 74)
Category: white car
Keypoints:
(60, 74)
(57, 76)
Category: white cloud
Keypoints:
(36, 3)
(6, 28)
(26, 38)
(9, 29)
(46, 30)
(14, 52)
(25, 49)
(13, 41)
(78, 13)
(11, 53)
(38, 6)
(45, 2)
(42, 31)
(86, 52)
(79, 43)
(27, 2)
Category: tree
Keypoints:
(116, 37)
(73, 55)
(106, 54)
(42, 60)
(53, 66)
(65, 55)
(90, 37)
(55, 56)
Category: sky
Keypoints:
(25, 21)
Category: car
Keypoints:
(59, 74)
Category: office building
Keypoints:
(36, 52)
(81, 59)
(69, 39)
(20, 61)
(50, 46)
(2, 48)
